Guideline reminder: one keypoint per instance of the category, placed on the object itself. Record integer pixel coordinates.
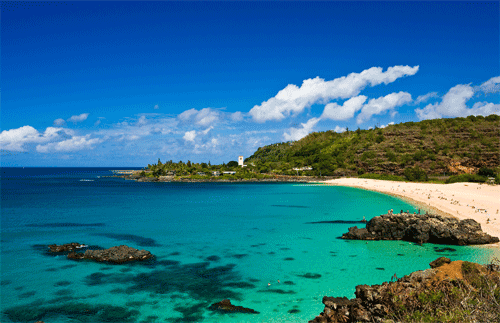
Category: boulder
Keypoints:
(225, 306)
(116, 255)
(439, 262)
(421, 228)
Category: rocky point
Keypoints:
(421, 228)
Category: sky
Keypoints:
(90, 83)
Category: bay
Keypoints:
(211, 240)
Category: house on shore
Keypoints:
(303, 168)
(230, 172)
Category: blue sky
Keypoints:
(125, 83)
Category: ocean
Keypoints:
(271, 247)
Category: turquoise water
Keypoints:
(211, 241)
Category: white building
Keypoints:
(303, 168)
(240, 161)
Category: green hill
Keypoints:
(436, 147)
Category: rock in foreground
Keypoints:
(459, 291)
(422, 228)
(225, 306)
(117, 255)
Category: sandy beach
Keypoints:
(460, 200)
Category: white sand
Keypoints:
(460, 200)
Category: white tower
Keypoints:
(240, 161)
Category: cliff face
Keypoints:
(421, 228)
(452, 292)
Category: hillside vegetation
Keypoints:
(412, 149)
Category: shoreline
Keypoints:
(458, 200)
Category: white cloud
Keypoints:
(382, 104)
(186, 115)
(59, 122)
(156, 107)
(293, 99)
(491, 86)
(484, 109)
(208, 147)
(72, 144)
(79, 118)
(453, 104)
(98, 122)
(14, 139)
(207, 130)
(237, 116)
(425, 97)
(339, 129)
(204, 117)
(343, 112)
(189, 135)
(299, 133)
(389, 124)
(140, 128)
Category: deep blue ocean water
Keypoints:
(211, 241)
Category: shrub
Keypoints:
(492, 117)
(415, 174)
(466, 178)
(486, 172)
(390, 156)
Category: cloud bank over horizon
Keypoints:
(213, 132)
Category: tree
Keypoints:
(486, 172)
(188, 163)
(415, 174)
(232, 163)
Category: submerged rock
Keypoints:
(225, 306)
(117, 255)
(421, 228)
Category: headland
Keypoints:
(459, 200)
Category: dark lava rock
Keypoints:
(370, 302)
(439, 262)
(66, 247)
(116, 255)
(376, 303)
(421, 228)
(225, 306)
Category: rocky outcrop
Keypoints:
(225, 306)
(66, 247)
(421, 228)
(435, 292)
(116, 255)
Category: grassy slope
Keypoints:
(433, 145)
